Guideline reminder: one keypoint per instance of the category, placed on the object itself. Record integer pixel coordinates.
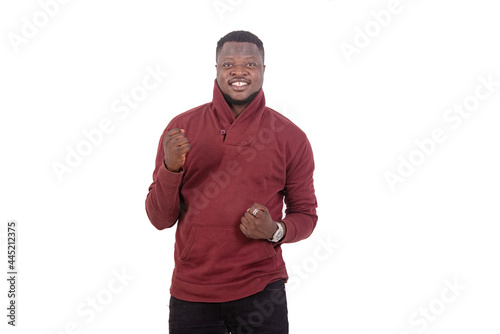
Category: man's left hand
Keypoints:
(257, 223)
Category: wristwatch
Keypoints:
(278, 234)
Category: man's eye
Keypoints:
(252, 64)
(227, 65)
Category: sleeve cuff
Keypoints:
(170, 178)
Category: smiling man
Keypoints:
(223, 171)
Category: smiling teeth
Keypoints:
(239, 84)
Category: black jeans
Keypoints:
(263, 313)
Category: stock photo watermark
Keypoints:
(11, 240)
(88, 310)
(379, 20)
(222, 7)
(263, 310)
(298, 273)
(32, 25)
(221, 179)
(453, 117)
(420, 320)
(94, 137)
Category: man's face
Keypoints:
(240, 71)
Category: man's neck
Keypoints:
(236, 108)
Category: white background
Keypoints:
(396, 249)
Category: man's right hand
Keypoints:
(176, 146)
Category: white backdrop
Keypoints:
(399, 99)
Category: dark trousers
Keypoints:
(263, 313)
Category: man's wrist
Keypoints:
(279, 234)
(170, 170)
(284, 229)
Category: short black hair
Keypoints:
(240, 36)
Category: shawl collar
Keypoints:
(242, 130)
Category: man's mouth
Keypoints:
(239, 84)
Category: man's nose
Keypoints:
(239, 70)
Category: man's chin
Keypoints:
(243, 102)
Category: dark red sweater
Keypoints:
(259, 157)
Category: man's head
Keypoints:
(240, 67)
(242, 37)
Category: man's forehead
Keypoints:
(229, 56)
(240, 49)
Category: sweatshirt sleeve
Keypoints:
(300, 199)
(163, 199)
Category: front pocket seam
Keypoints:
(189, 243)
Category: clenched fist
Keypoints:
(176, 146)
(257, 223)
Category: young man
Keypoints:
(222, 172)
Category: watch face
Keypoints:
(279, 234)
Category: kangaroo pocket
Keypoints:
(222, 254)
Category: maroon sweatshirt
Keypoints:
(259, 157)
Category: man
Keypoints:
(222, 172)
